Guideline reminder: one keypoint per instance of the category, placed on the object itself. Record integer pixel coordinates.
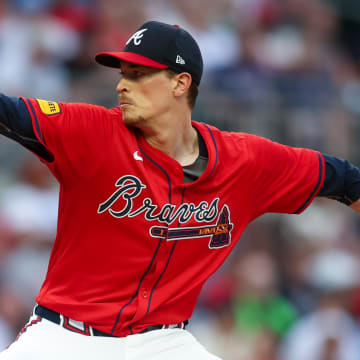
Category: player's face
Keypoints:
(144, 94)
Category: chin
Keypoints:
(132, 121)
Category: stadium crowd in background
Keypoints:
(285, 69)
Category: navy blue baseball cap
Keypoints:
(159, 45)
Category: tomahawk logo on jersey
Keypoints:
(152, 240)
(130, 187)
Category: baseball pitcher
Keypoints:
(151, 204)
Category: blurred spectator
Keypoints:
(258, 305)
(6, 335)
(13, 314)
(34, 49)
(329, 331)
(349, 17)
(33, 7)
(219, 335)
(81, 17)
(7, 240)
(115, 24)
(29, 208)
(245, 79)
(206, 21)
(30, 205)
(250, 316)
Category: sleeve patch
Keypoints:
(49, 107)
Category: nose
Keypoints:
(122, 86)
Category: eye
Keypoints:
(136, 74)
(132, 74)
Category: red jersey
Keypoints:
(135, 244)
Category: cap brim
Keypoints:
(112, 59)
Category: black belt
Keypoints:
(84, 329)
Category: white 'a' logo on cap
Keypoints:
(137, 37)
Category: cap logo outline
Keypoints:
(136, 37)
(180, 60)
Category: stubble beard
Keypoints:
(133, 121)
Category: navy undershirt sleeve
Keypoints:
(15, 123)
(342, 180)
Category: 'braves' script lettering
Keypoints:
(130, 188)
(121, 204)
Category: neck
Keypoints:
(174, 136)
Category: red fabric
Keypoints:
(104, 58)
(108, 267)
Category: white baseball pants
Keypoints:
(45, 340)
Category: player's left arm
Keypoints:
(342, 182)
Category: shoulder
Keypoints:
(54, 109)
(214, 133)
(230, 141)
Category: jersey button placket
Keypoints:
(143, 302)
(177, 175)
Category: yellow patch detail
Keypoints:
(49, 107)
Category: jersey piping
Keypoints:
(173, 248)
(317, 186)
(153, 258)
(216, 150)
(167, 263)
(159, 278)
(35, 119)
(159, 166)
(137, 290)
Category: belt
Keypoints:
(84, 329)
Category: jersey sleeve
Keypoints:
(16, 124)
(285, 179)
(76, 135)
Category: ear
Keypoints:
(182, 84)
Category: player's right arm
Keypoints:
(16, 124)
(66, 136)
